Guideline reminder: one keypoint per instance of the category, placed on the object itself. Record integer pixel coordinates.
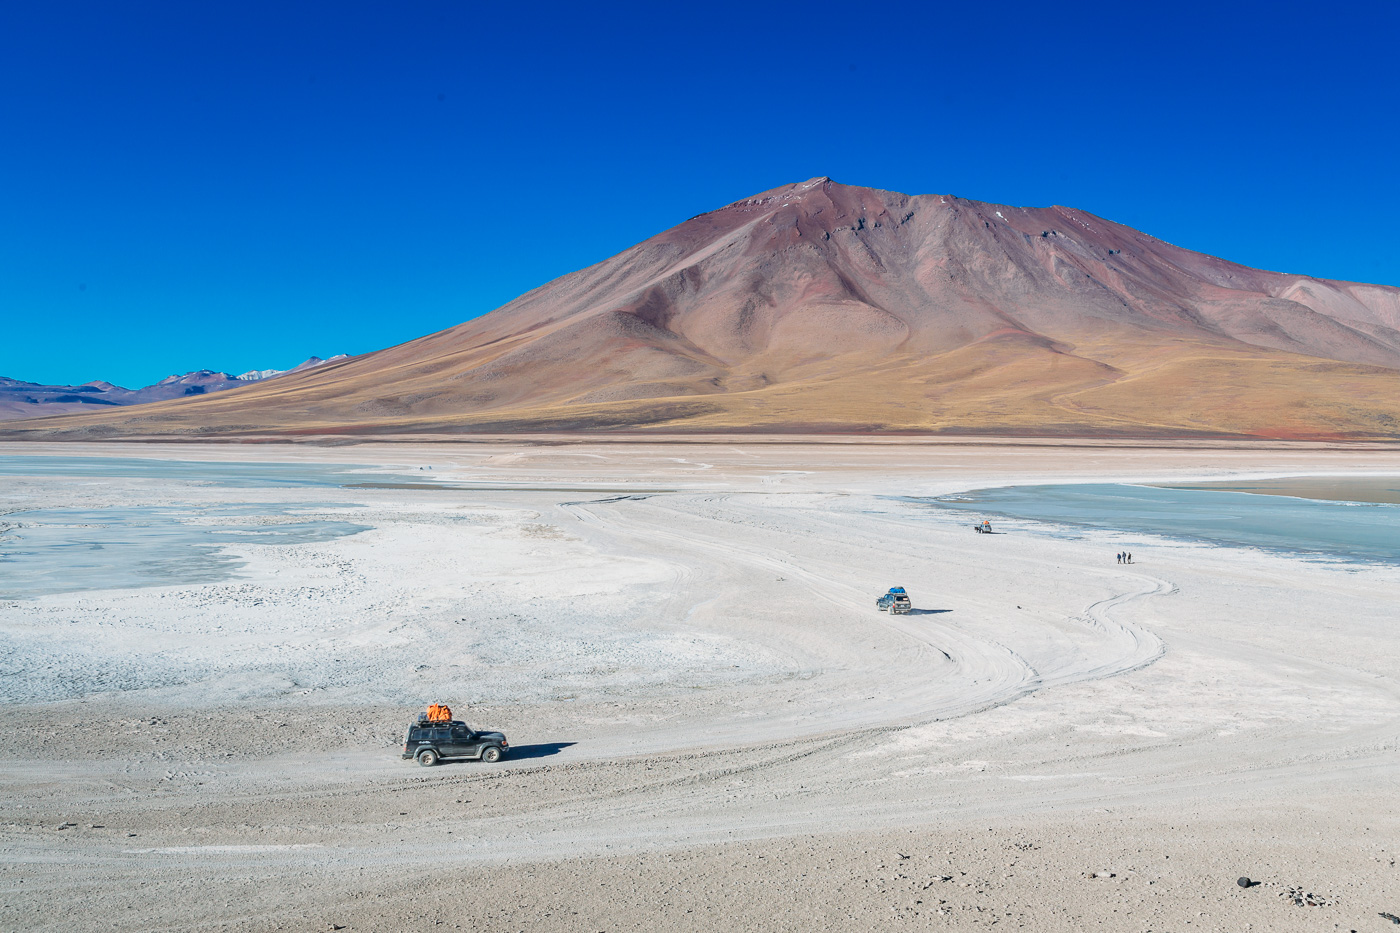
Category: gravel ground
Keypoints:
(712, 727)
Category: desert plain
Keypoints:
(712, 727)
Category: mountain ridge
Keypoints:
(843, 308)
(26, 400)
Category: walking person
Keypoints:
(1130, 557)
(1120, 557)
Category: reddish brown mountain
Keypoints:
(822, 306)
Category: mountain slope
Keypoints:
(822, 306)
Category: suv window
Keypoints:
(460, 732)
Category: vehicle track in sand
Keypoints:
(952, 670)
(995, 704)
(658, 784)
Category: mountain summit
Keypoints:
(826, 307)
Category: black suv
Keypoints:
(431, 742)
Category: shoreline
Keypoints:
(710, 714)
(1299, 487)
(564, 438)
(1308, 528)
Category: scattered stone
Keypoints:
(65, 825)
(1099, 874)
(1300, 898)
(1246, 883)
(1391, 917)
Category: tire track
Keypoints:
(961, 672)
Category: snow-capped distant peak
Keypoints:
(257, 375)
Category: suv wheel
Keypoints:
(428, 758)
(491, 754)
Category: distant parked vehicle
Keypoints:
(983, 529)
(894, 602)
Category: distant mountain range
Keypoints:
(822, 307)
(31, 400)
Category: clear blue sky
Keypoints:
(242, 185)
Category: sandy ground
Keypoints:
(713, 728)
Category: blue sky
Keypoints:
(239, 186)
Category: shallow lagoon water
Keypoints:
(50, 551)
(1332, 488)
(217, 473)
(1342, 530)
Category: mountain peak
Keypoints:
(819, 306)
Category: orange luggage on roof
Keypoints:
(437, 712)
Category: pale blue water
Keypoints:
(1366, 531)
(50, 551)
(215, 473)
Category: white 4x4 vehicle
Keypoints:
(895, 601)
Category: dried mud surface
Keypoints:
(712, 727)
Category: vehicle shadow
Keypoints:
(928, 612)
(541, 750)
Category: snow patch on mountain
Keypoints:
(258, 375)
